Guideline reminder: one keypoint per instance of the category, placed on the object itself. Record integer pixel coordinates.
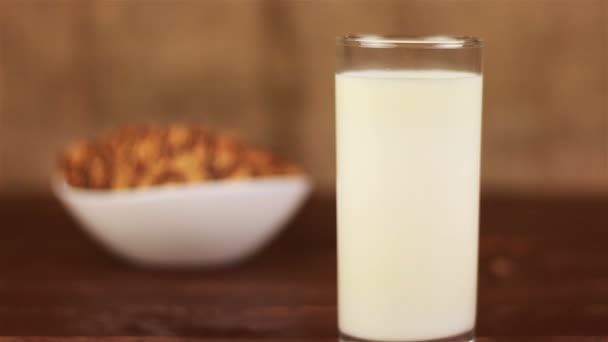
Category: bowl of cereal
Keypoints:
(179, 195)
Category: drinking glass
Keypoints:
(408, 121)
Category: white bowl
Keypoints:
(206, 224)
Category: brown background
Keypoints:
(75, 68)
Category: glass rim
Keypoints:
(410, 42)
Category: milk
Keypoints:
(408, 150)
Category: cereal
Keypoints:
(148, 155)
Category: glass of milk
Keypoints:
(408, 118)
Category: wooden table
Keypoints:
(543, 272)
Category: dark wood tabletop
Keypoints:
(193, 339)
(543, 272)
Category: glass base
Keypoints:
(468, 336)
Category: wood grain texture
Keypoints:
(543, 271)
(153, 339)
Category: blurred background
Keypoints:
(77, 68)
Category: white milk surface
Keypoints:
(408, 191)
